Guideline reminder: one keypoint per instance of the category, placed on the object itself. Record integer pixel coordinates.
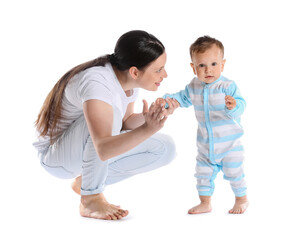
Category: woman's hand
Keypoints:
(155, 116)
(172, 105)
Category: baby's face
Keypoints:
(208, 65)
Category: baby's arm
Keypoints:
(235, 103)
(182, 97)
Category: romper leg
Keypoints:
(205, 173)
(232, 167)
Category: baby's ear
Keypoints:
(193, 67)
(222, 65)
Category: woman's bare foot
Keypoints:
(96, 206)
(203, 207)
(240, 205)
(76, 185)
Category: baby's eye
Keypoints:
(214, 64)
(201, 65)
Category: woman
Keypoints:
(81, 121)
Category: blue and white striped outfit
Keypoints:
(218, 134)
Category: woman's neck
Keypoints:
(126, 82)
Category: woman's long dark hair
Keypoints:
(134, 48)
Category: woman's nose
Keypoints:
(165, 74)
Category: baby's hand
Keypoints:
(230, 102)
(161, 101)
(172, 105)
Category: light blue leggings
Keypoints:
(73, 154)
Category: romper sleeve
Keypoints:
(183, 97)
(240, 102)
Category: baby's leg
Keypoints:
(205, 173)
(233, 171)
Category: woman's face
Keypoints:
(153, 75)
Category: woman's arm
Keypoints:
(99, 118)
(133, 120)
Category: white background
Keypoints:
(41, 40)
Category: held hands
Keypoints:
(230, 102)
(154, 116)
(157, 114)
(172, 105)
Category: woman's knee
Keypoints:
(167, 148)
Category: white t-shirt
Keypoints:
(98, 83)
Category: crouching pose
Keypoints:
(81, 123)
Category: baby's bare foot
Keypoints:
(203, 207)
(240, 205)
(96, 206)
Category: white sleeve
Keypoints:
(93, 87)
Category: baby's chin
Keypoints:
(209, 80)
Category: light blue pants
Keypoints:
(232, 167)
(73, 154)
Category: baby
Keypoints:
(218, 106)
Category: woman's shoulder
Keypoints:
(95, 83)
(98, 73)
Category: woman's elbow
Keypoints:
(101, 152)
